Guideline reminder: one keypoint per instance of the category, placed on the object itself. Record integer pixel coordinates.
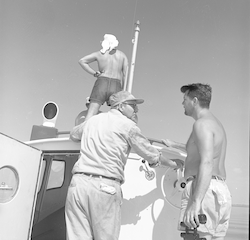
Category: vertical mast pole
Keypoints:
(132, 67)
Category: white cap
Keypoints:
(109, 43)
(123, 97)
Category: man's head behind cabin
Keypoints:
(203, 92)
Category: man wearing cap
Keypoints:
(111, 74)
(93, 205)
(206, 191)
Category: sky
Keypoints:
(180, 42)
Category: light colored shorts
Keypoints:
(104, 87)
(216, 204)
(92, 211)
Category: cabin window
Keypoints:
(56, 176)
(41, 176)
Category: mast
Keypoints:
(132, 67)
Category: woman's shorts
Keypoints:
(104, 87)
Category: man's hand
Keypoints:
(74, 139)
(167, 142)
(179, 163)
(76, 133)
(191, 218)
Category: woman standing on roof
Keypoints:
(111, 74)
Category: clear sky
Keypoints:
(180, 42)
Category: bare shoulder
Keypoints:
(202, 122)
(208, 124)
(97, 54)
(90, 57)
(204, 125)
(122, 54)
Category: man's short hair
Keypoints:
(203, 92)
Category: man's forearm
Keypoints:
(174, 144)
(203, 180)
(76, 133)
(180, 146)
(166, 162)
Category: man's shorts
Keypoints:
(216, 205)
(104, 87)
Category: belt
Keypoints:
(213, 177)
(98, 176)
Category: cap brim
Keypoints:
(137, 101)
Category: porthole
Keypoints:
(9, 182)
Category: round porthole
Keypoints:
(9, 182)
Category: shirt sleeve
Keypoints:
(76, 133)
(142, 146)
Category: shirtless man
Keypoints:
(206, 190)
(111, 74)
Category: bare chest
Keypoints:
(193, 157)
(192, 150)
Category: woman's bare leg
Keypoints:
(93, 110)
